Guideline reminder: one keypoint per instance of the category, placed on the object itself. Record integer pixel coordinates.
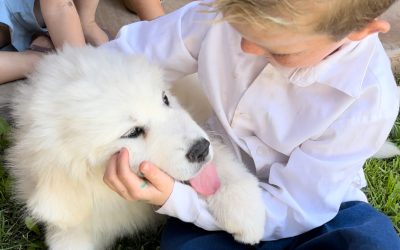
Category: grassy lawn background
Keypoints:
(19, 232)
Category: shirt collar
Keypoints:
(344, 70)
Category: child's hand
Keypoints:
(155, 189)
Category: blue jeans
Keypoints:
(356, 226)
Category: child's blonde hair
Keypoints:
(336, 18)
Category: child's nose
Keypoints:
(251, 48)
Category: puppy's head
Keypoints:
(86, 104)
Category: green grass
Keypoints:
(383, 178)
(14, 232)
(19, 232)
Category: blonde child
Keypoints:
(302, 91)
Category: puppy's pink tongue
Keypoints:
(206, 182)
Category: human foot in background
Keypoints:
(42, 43)
(94, 35)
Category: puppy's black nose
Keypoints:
(199, 151)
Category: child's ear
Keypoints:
(375, 26)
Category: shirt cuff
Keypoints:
(185, 204)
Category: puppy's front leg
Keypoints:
(237, 205)
(74, 238)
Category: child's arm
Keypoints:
(62, 21)
(165, 41)
(175, 48)
(14, 65)
(321, 174)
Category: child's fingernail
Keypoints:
(144, 167)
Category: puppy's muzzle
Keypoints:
(198, 151)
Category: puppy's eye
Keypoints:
(165, 98)
(134, 133)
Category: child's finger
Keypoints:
(156, 176)
(111, 179)
(137, 188)
(162, 184)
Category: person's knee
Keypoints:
(369, 229)
(383, 236)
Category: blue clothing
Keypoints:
(357, 226)
(19, 16)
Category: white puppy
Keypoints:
(83, 105)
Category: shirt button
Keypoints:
(242, 115)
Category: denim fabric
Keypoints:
(357, 226)
(19, 16)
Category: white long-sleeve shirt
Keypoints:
(304, 132)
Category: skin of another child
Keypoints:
(66, 24)
(145, 9)
(72, 21)
(15, 65)
(289, 47)
(68, 21)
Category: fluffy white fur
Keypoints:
(69, 120)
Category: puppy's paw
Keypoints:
(248, 237)
(246, 226)
(239, 209)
